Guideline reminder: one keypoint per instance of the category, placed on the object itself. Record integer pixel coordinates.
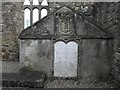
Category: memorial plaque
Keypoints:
(65, 59)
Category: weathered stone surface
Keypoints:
(12, 18)
(39, 53)
(95, 58)
(107, 15)
(42, 29)
(23, 79)
(36, 55)
(51, 26)
(10, 67)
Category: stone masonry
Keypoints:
(12, 25)
(107, 15)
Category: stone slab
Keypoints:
(24, 79)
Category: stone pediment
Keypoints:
(62, 22)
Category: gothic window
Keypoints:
(26, 18)
(32, 15)
(43, 13)
(35, 15)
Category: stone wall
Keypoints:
(12, 15)
(84, 8)
(12, 24)
(95, 58)
(35, 55)
(107, 16)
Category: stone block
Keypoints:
(24, 79)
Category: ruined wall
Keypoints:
(12, 24)
(84, 8)
(95, 63)
(12, 15)
(107, 15)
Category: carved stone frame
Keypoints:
(78, 41)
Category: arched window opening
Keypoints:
(35, 15)
(26, 2)
(35, 2)
(43, 13)
(26, 18)
(44, 3)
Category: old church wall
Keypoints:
(95, 58)
(12, 24)
(36, 55)
(107, 15)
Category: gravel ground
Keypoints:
(68, 84)
(77, 84)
